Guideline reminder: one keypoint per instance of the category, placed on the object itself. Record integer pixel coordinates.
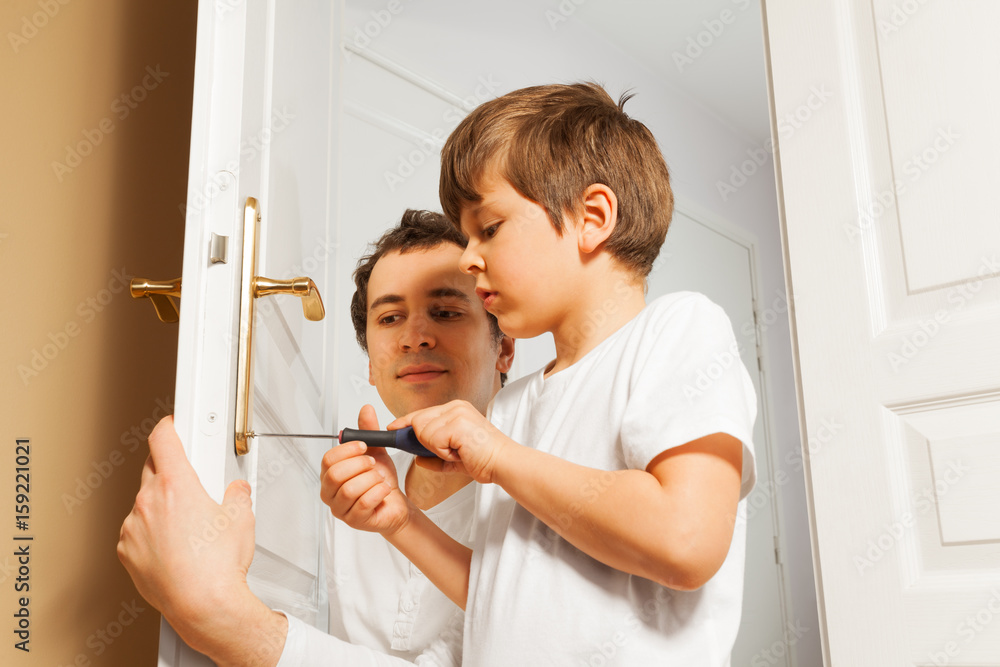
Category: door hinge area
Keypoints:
(777, 551)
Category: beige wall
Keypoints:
(103, 361)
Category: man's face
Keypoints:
(429, 339)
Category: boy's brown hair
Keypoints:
(417, 230)
(551, 143)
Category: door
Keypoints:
(264, 127)
(275, 119)
(887, 143)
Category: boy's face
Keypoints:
(524, 269)
(429, 339)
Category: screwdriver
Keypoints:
(403, 439)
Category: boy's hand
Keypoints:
(360, 486)
(461, 436)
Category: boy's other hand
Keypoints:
(360, 485)
(462, 438)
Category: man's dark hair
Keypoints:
(417, 230)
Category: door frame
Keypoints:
(749, 241)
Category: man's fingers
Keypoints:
(337, 475)
(238, 494)
(166, 448)
(367, 419)
(340, 453)
(368, 501)
(381, 456)
(343, 499)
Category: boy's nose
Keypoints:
(471, 261)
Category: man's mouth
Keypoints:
(421, 373)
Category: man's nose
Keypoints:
(416, 333)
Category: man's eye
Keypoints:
(447, 314)
(388, 319)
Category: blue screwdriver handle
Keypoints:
(404, 439)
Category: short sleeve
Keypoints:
(688, 382)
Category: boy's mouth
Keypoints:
(487, 296)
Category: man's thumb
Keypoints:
(237, 495)
(367, 419)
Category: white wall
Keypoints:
(700, 151)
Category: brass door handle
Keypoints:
(160, 293)
(254, 287)
(312, 302)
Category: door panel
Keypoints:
(894, 257)
(290, 119)
(393, 130)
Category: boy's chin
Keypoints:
(516, 329)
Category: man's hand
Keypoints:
(459, 435)
(189, 556)
(360, 485)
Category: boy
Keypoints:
(607, 527)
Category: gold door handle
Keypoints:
(160, 293)
(254, 287)
(312, 302)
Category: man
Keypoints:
(429, 340)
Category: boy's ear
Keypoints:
(600, 215)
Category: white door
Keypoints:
(264, 126)
(888, 174)
(272, 120)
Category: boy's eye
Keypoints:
(491, 231)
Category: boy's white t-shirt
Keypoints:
(669, 376)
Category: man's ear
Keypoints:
(505, 358)
(600, 215)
